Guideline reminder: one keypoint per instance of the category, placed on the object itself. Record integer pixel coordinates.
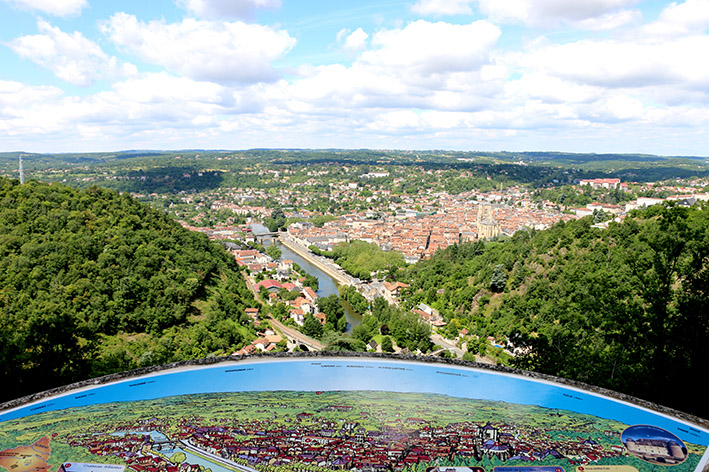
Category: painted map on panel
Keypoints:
(327, 430)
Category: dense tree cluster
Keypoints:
(625, 308)
(277, 220)
(405, 327)
(331, 306)
(83, 272)
(362, 259)
(356, 300)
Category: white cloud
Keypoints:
(30, 111)
(51, 7)
(622, 64)
(160, 88)
(203, 50)
(150, 109)
(442, 7)
(421, 84)
(16, 97)
(427, 66)
(71, 57)
(428, 48)
(396, 121)
(609, 21)
(540, 86)
(624, 107)
(553, 12)
(678, 19)
(231, 9)
(355, 41)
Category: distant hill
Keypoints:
(626, 308)
(145, 171)
(93, 282)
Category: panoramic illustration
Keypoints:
(367, 236)
(341, 414)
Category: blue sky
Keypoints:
(564, 75)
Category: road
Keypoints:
(291, 333)
(448, 344)
(297, 335)
(250, 286)
(324, 264)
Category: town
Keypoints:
(416, 227)
(363, 437)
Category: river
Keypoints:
(168, 448)
(326, 284)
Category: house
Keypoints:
(245, 351)
(252, 312)
(298, 316)
(310, 294)
(303, 304)
(271, 285)
(606, 207)
(582, 211)
(393, 290)
(425, 308)
(284, 269)
(423, 315)
(601, 183)
(247, 256)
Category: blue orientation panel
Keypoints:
(360, 414)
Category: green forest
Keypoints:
(626, 308)
(93, 282)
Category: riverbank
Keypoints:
(340, 276)
(328, 281)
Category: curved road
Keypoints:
(288, 332)
(297, 335)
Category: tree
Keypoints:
(469, 356)
(499, 279)
(387, 345)
(334, 311)
(341, 342)
(277, 220)
(599, 216)
(273, 252)
(312, 327)
(178, 458)
(84, 269)
(476, 346)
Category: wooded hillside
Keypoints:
(625, 308)
(93, 282)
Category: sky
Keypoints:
(474, 75)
